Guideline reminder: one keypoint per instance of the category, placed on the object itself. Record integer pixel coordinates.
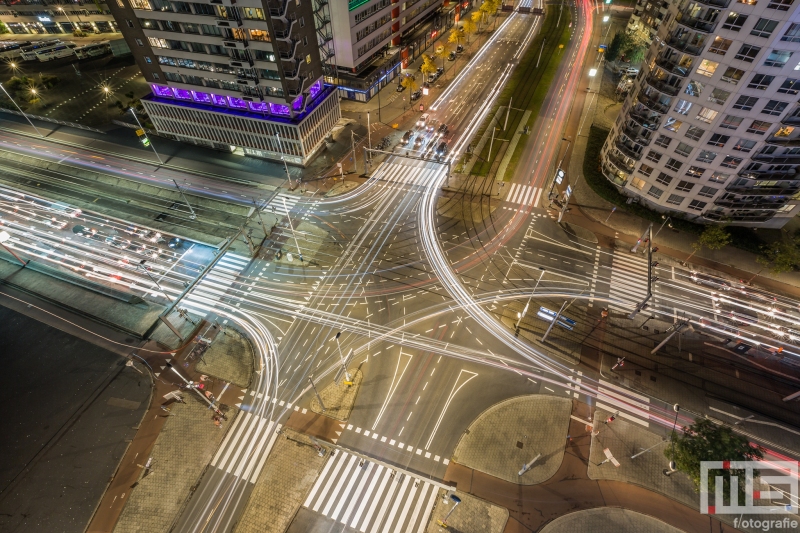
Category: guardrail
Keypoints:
(51, 120)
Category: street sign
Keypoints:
(569, 191)
(548, 315)
(424, 91)
(146, 141)
(421, 107)
(140, 132)
(559, 176)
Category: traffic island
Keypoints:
(527, 431)
(289, 473)
(229, 358)
(181, 453)
(341, 188)
(608, 519)
(338, 399)
(471, 514)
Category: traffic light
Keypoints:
(146, 141)
(620, 362)
(610, 419)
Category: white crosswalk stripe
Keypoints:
(613, 398)
(281, 204)
(524, 194)
(216, 283)
(628, 281)
(367, 497)
(246, 446)
(406, 174)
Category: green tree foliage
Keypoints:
(713, 237)
(428, 66)
(627, 45)
(617, 45)
(780, 256)
(409, 81)
(456, 36)
(3, 28)
(470, 28)
(707, 441)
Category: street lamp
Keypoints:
(285, 165)
(672, 465)
(74, 28)
(666, 219)
(136, 118)
(4, 236)
(525, 310)
(141, 264)
(341, 358)
(21, 111)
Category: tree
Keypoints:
(707, 441)
(409, 81)
(636, 54)
(456, 36)
(477, 18)
(617, 46)
(780, 256)
(469, 28)
(442, 52)
(428, 67)
(714, 237)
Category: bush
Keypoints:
(742, 238)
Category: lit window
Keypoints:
(672, 124)
(707, 68)
(683, 107)
(720, 45)
(759, 127)
(645, 169)
(744, 145)
(694, 88)
(778, 58)
(784, 131)
(638, 183)
(730, 162)
(790, 85)
(719, 177)
(695, 172)
(707, 115)
(731, 122)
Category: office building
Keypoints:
(25, 17)
(237, 75)
(711, 128)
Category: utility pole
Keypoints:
(676, 329)
(369, 133)
(525, 310)
(508, 110)
(291, 227)
(141, 264)
(528, 466)
(341, 358)
(489, 157)
(153, 146)
(193, 215)
(353, 143)
(319, 398)
(648, 234)
(553, 323)
(634, 456)
(565, 207)
(559, 172)
(540, 53)
(39, 133)
(283, 158)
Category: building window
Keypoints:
(731, 122)
(147, 59)
(638, 183)
(707, 114)
(694, 133)
(697, 205)
(655, 192)
(792, 35)
(654, 156)
(683, 107)
(790, 86)
(673, 165)
(305, 41)
(745, 103)
(695, 172)
(155, 75)
(707, 68)
(764, 27)
(684, 186)
(731, 162)
(720, 46)
(719, 177)
(747, 53)
(780, 5)
(664, 179)
(120, 4)
(672, 124)
(129, 22)
(302, 22)
(774, 107)
(706, 156)
(674, 199)
(663, 141)
(645, 169)
(708, 192)
(694, 88)
(759, 127)
(717, 139)
(683, 149)
(735, 21)
(139, 42)
(718, 96)
(744, 145)
(760, 81)
(778, 58)
(784, 131)
(732, 75)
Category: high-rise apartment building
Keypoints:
(236, 74)
(647, 17)
(711, 128)
(57, 17)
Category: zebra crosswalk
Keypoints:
(370, 497)
(281, 204)
(524, 194)
(216, 283)
(630, 405)
(628, 281)
(246, 446)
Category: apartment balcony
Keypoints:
(770, 175)
(763, 216)
(673, 68)
(652, 104)
(278, 8)
(789, 190)
(222, 2)
(229, 23)
(695, 23)
(287, 55)
(238, 44)
(685, 45)
(286, 32)
(637, 136)
(715, 3)
(791, 120)
(628, 148)
(661, 86)
(758, 204)
(776, 159)
(614, 175)
(650, 123)
(241, 63)
(247, 81)
(620, 163)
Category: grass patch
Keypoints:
(527, 88)
(743, 238)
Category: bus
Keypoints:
(28, 52)
(56, 52)
(93, 50)
(11, 50)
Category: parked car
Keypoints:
(459, 49)
(711, 281)
(416, 95)
(439, 71)
(432, 78)
(400, 88)
(452, 56)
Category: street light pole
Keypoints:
(525, 310)
(291, 227)
(672, 465)
(141, 264)
(4, 236)
(193, 215)
(283, 158)
(21, 111)
(341, 358)
(74, 28)
(662, 226)
(319, 398)
(369, 133)
(153, 146)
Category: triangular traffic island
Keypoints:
(339, 397)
